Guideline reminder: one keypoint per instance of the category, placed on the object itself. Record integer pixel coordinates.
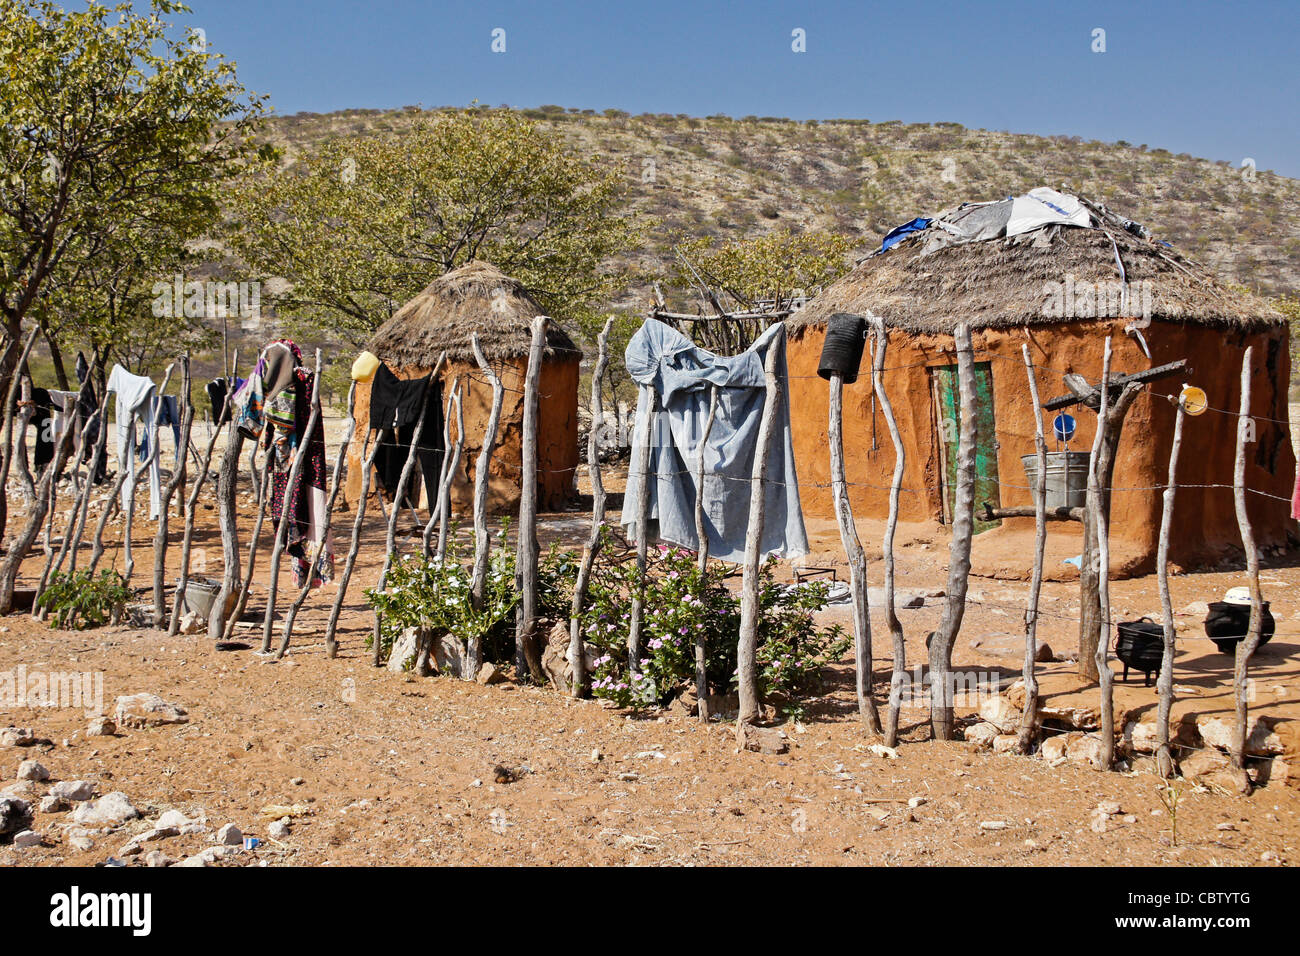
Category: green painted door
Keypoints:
(947, 407)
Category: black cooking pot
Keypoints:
(1140, 645)
(1226, 624)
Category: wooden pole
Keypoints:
(641, 467)
(702, 560)
(1029, 720)
(328, 518)
(577, 659)
(453, 463)
(482, 479)
(177, 480)
(1101, 523)
(435, 506)
(76, 522)
(367, 466)
(391, 540)
(1246, 647)
(25, 411)
(857, 559)
(22, 543)
(1165, 683)
(286, 507)
(526, 654)
(747, 643)
(941, 644)
(6, 453)
(899, 675)
(191, 505)
(262, 495)
(140, 474)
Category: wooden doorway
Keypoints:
(946, 402)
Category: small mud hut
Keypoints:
(478, 297)
(1060, 288)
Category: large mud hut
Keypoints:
(479, 298)
(1054, 289)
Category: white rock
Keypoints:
(32, 770)
(402, 657)
(82, 843)
(52, 804)
(278, 830)
(1005, 743)
(111, 810)
(101, 726)
(26, 838)
(1053, 750)
(1002, 714)
(73, 791)
(230, 835)
(157, 858)
(914, 802)
(1260, 742)
(17, 737)
(1083, 749)
(981, 735)
(994, 825)
(880, 750)
(173, 818)
(148, 710)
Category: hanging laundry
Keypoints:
(310, 548)
(88, 414)
(135, 402)
(274, 372)
(217, 390)
(669, 366)
(394, 409)
(167, 413)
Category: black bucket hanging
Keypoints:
(846, 336)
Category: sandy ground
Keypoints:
(393, 769)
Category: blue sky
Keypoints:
(1215, 79)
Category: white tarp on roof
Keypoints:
(1044, 206)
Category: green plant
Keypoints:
(79, 601)
(683, 604)
(434, 596)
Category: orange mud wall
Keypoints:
(557, 452)
(1204, 528)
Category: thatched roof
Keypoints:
(999, 283)
(477, 297)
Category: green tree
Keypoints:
(358, 226)
(774, 268)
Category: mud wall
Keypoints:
(557, 433)
(1205, 528)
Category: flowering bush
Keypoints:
(683, 605)
(424, 593)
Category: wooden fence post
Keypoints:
(577, 659)
(177, 479)
(1029, 720)
(482, 480)
(857, 559)
(6, 452)
(899, 675)
(1246, 647)
(400, 492)
(943, 640)
(1165, 683)
(367, 466)
(747, 643)
(328, 520)
(191, 505)
(641, 466)
(526, 654)
(286, 507)
(1098, 514)
(702, 561)
(140, 475)
(452, 456)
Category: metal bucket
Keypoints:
(1067, 477)
(199, 596)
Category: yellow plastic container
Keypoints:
(364, 368)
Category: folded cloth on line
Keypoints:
(664, 362)
(274, 373)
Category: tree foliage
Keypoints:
(115, 143)
(777, 267)
(359, 226)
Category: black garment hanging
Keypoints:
(394, 402)
(43, 454)
(395, 443)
